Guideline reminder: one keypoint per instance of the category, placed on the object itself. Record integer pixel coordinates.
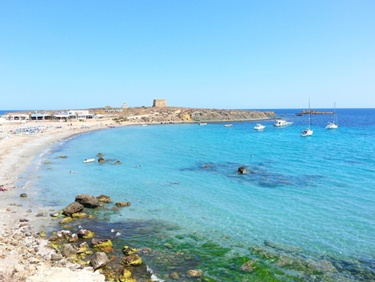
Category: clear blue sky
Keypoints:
(195, 53)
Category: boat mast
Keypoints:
(309, 113)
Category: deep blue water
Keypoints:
(314, 193)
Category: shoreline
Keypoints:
(20, 215)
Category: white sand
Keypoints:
(17, 240)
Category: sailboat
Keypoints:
(308, 131)
(333, 125)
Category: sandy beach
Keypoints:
(24, 255)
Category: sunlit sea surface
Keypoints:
(305, 212)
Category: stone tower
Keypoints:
(160, 103)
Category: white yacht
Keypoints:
(333, 124)
(203, 123)
(308, 131)
(282, 123)
(228, 125)
(259, 127)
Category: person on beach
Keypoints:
(2, 188)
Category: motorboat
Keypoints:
(89, 160)
(259, 127)
(308, 131)
(333, 124)
(282, 123)
(228, 125)
(203, 123)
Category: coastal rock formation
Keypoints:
(100, 155)
(73, 208)
(87, 201)
(104, 199)
(99, 260)
(101, 160)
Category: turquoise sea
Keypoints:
(305, 212)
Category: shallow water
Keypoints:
(313, 193)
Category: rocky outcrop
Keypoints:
(73, 208)
(87, 201)
(99, 260)
(101, 160)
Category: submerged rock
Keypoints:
(87, 201)
(79, 215)
(66, 220)
(73, 208)
(249, 266)
(123, 204)
(282, 247)
(194, 273)
(99, 260)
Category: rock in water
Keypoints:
(99, 260)
(241, 170)
(131, 260)
(105, 245)
(104, 199)
(101, 160)
(118, 162)
(122, 204)
(73, 208)
(23, 195)
(87, 201)
(100, 155)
